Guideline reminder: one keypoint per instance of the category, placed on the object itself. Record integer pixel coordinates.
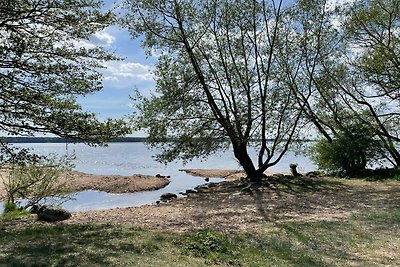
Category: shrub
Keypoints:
(34, 181)
(349, 152)
(9, 206)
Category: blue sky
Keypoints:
(120, 77)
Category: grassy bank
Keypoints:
(368, 239)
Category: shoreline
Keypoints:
(233, 206)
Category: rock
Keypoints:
(209, 185)
(191, 191)
(158, 202)
(312, 174)
(246, 190)
(167, 196)
(34, 209)
(207, 179)
(201, 188)
(162, 176)
(183, 193)
(52, 214)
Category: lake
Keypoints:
(136, 158)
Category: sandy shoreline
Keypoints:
(229, 206)
(78, 181)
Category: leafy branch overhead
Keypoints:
(45, 65)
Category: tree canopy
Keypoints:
(263, 73)
(45, 65)
(221, 77)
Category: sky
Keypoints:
(120, 78)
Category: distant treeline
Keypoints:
(66, 140)
(62, 140)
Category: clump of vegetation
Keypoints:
(34, 182)
(208, 244)
(11, 211)
(349, 152)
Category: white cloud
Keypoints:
(103, 38)
(120, 70)
(128, 75)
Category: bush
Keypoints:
(9, 206)
(349, 152)
(34, 181)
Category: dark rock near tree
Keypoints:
(312, 174)
(191, 191)
(52, 214)
(168, 196)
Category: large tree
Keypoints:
(45, 65)
(220, 76)
(362, 81)
(351, 56)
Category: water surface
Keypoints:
(136, 158)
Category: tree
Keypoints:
(220, 77)
(365, 80)
(372, 28)
(43, 69)
(351, 84)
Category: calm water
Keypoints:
(136, 158)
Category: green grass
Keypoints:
(368, 239)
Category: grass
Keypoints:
(367, 239)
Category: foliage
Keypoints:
(35, 181)
(349, 152)
(45, 64)
(14, 214)
(9, 206)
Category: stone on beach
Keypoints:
(52, 214)
(168, 196)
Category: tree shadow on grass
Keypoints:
(290, 185)
(71, 245)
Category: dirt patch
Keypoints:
(78, 181)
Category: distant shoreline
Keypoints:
(63, 140)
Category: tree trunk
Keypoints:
(241, 154)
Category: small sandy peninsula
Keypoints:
(78, 181)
